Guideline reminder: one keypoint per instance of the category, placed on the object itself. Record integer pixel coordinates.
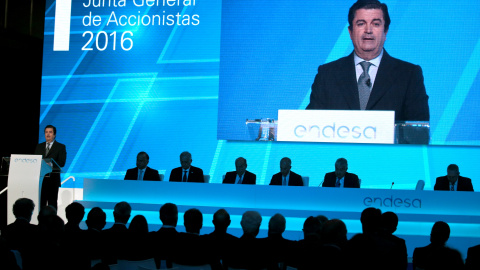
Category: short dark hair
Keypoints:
(169, 214)
(143, 153)
(193, 220)
(96, 218)
(368, 4)
(52, 127)
(453, 167)
(23, 207)
(75, 212)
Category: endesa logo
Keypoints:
(392, 202)
(26, 160)
(334, 131)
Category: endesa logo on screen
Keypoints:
(336, 126)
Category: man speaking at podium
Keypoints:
(369, 78)
(56, 151)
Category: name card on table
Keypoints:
(340, 126)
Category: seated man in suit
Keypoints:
(453, 181)
(164, 239)
(142, 171)
(286, 177)
(240, 175)
(115, 236)
(340, 177)
(187, 172)
(438, 238)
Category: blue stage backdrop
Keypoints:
(166, 76)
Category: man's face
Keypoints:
(49, 136)
(241, 167)
(185, 161)
(368, 33)
(142, 161)
(285, 168)
(452, 175)
(340, 171)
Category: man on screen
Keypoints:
(453, 181)
(187, 172)
(240, 175)
(56, 151)
(142, 171)
(286, 177)
(369, 78)
(340, 177)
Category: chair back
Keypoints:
(206, 178)
(192, 267)
(305, 180)
(420, 185)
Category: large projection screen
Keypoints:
(124, 76)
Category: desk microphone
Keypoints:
(321, 183)
(392, 185)
(368, 83)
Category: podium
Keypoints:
(25, 177)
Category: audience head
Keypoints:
(23, 208)
(277, 224)
(74, 212)
(452, 173)
(142, 160)
(312, 226)
(52, 228)
(389, 222)
(193, 220)
(138, 224)
(334, 232)
(341, 167)
(169, 214)
(322, 219)
(250, 223)
(121, 212)
(96, 219)
(285, 166)
(221, 220)
(371, 219)
(46, 211)
(185, 160)
(440, 233)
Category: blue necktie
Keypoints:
(364, 85)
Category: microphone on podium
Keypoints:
(392, 185)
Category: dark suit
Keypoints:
(421, 255)
(473, 258)
(350, 180)
(398, 86)
(149, 175)
(163, 242)
(194, 175)
(248, 178)
(293, 180)
(115, 241)
(464, 184)
(51, 181)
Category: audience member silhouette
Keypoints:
(305, 255)
(96, 220)
(7, 258)
(248, 252)
(219, 238)
(279, 248)
(116, 235)
(49, 252)
(334, 239)
(389, 226)
(138, 244)
(473, 258)
(164, 239)
(21, 235)
(438, 237)
(74, 241)
(192, 249)
(445, 258)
